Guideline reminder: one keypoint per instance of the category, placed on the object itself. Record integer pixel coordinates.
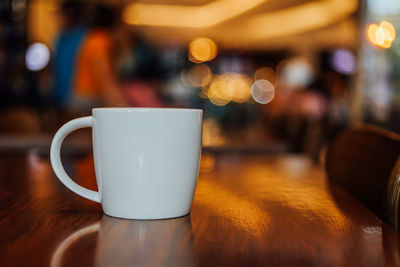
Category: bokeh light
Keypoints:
(262, 91)
(343, 61)
(372, 33)
(218, 92)
(266, 73)
(229, 87)
(240, 85)
(212, 134)
(197, 76)
(389, 30)
(382, 35)
(202, 49)
(296, 72)
(37, 57)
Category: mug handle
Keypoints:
(56, 160)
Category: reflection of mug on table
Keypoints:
(146, 160)
(137, 243)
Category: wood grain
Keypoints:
(248, 211)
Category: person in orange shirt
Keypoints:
(95, 79)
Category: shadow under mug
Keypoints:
(146, 160)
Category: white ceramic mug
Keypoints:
(146, 160)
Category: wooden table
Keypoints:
(249, 210)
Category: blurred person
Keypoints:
(96, 81)
(66, 48)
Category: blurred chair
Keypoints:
(365, 162)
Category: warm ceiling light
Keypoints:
(206, 15)
(297, 19)
(202, 49)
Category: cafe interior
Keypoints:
(300, 161)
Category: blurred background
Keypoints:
(271, 76)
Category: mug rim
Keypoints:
(141, 109)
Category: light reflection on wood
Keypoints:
(241, 212)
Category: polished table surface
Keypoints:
(248, 210)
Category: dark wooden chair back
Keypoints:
(363, 160)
